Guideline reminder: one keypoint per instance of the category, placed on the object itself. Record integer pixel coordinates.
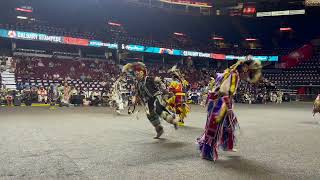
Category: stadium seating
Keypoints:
(306, 73)
(35, 71)
(32, 71)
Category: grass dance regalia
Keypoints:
(221, 120)
(117, 94)
(177, 103)
(53, 95)
(151, 90)
(316, 105)
(210, 88)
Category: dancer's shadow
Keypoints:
(190, 128)
(310, 122)
(167, 144)
(120, 115)
(247, 167)
(159, 150)
(174, 145)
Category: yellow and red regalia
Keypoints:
(177, 103)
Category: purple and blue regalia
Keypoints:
(221, 121)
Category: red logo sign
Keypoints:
(76, 41)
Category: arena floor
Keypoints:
(275, 142)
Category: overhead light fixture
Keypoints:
(286, 29)
(251, 39)
(24, 10)
(178, 34)
(114, 24)
(188, 3)
(281, 13)
(22, 17)
(249, 10)
(218, 38)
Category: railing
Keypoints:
(304, 97)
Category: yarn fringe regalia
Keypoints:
(222, 123)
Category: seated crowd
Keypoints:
(65, 95)
(261, 93)
(35, 76)
(92, 80)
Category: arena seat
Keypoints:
(305, 73)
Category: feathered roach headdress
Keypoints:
(132, 68)
(251, 67)
(176, 72)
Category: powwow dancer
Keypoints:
(316, 105)
(117, 94)
(53, 95)
(210, 89)
(65, 93)
(150, 90)
(133, 101)
(279, 97)
(221, 120)
(177, 103)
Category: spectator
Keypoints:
(66, 94)
(82, 77)
(82, 65)
(68, 77)
(72, 69)
(42, 95)
(89, 78)
(56, 76)
(95, 98)
(86, 102)
(45, 75)
(40, 64)
(51, 65)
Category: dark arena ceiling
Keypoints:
(93, 15)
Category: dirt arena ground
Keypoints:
(275, 142)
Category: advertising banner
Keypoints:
(76, 41)
(112, 45)
(44, 37)
(218, 56)
(196, 54)
(190, 53)
(4, 33)
(95, 43)
(30, 36)
(34, 36)
(131, 47)
(159, 50)
(258, 58)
